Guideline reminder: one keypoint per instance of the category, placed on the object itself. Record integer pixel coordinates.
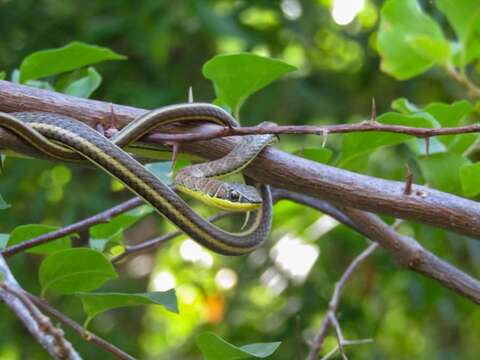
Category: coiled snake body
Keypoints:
(67, 139)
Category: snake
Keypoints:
(67, 139)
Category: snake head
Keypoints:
(225, 196)
(236, 197)
(243, 194)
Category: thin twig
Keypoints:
(48, 336)
(364, 126)
(85, 224)
(346, 343)
(408, 181)
(63, 347)
(158, 241)
(330, 318)
(86, 335)
(406, 251)
(474, 90)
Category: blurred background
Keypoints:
(280, 292)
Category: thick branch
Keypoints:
(408, 253)
(276, 167)
(48, 336)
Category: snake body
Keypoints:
(66, 138)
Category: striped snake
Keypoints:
(67, 139)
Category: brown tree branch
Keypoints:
(86, 335)
(273, 166)
(408, 253)
(364, 126)
(45, 333)
(85, 224)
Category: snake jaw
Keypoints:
(220, 202)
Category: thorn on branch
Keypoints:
(324, 137)
(373, 116)
(190, 95)
(229, 129)
(110, 127)
(175, 148)
(408, 181)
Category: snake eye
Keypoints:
(234, 195)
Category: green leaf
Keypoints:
(442, 171)
(450, 115)
(3, 204)
(360, 143)
(162, 170)
(447, 115)
(102, 235)
(404, 106)
(438, 51)
(96, 303)
(15, 76)
(461, 143)
(119, 223)
(3, 75)
(314, 154)
(69, 57)
(101, 244)
(470, 179)
(261, 350)
(85, 86)
(419, 146)
(237, 76)
(74, 270)
(40, 84)
(4, 240)
(403, 27)
(213, 347)
(464, 16)
(26, 232)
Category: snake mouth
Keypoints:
(220, 203)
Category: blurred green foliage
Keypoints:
(258, 298)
